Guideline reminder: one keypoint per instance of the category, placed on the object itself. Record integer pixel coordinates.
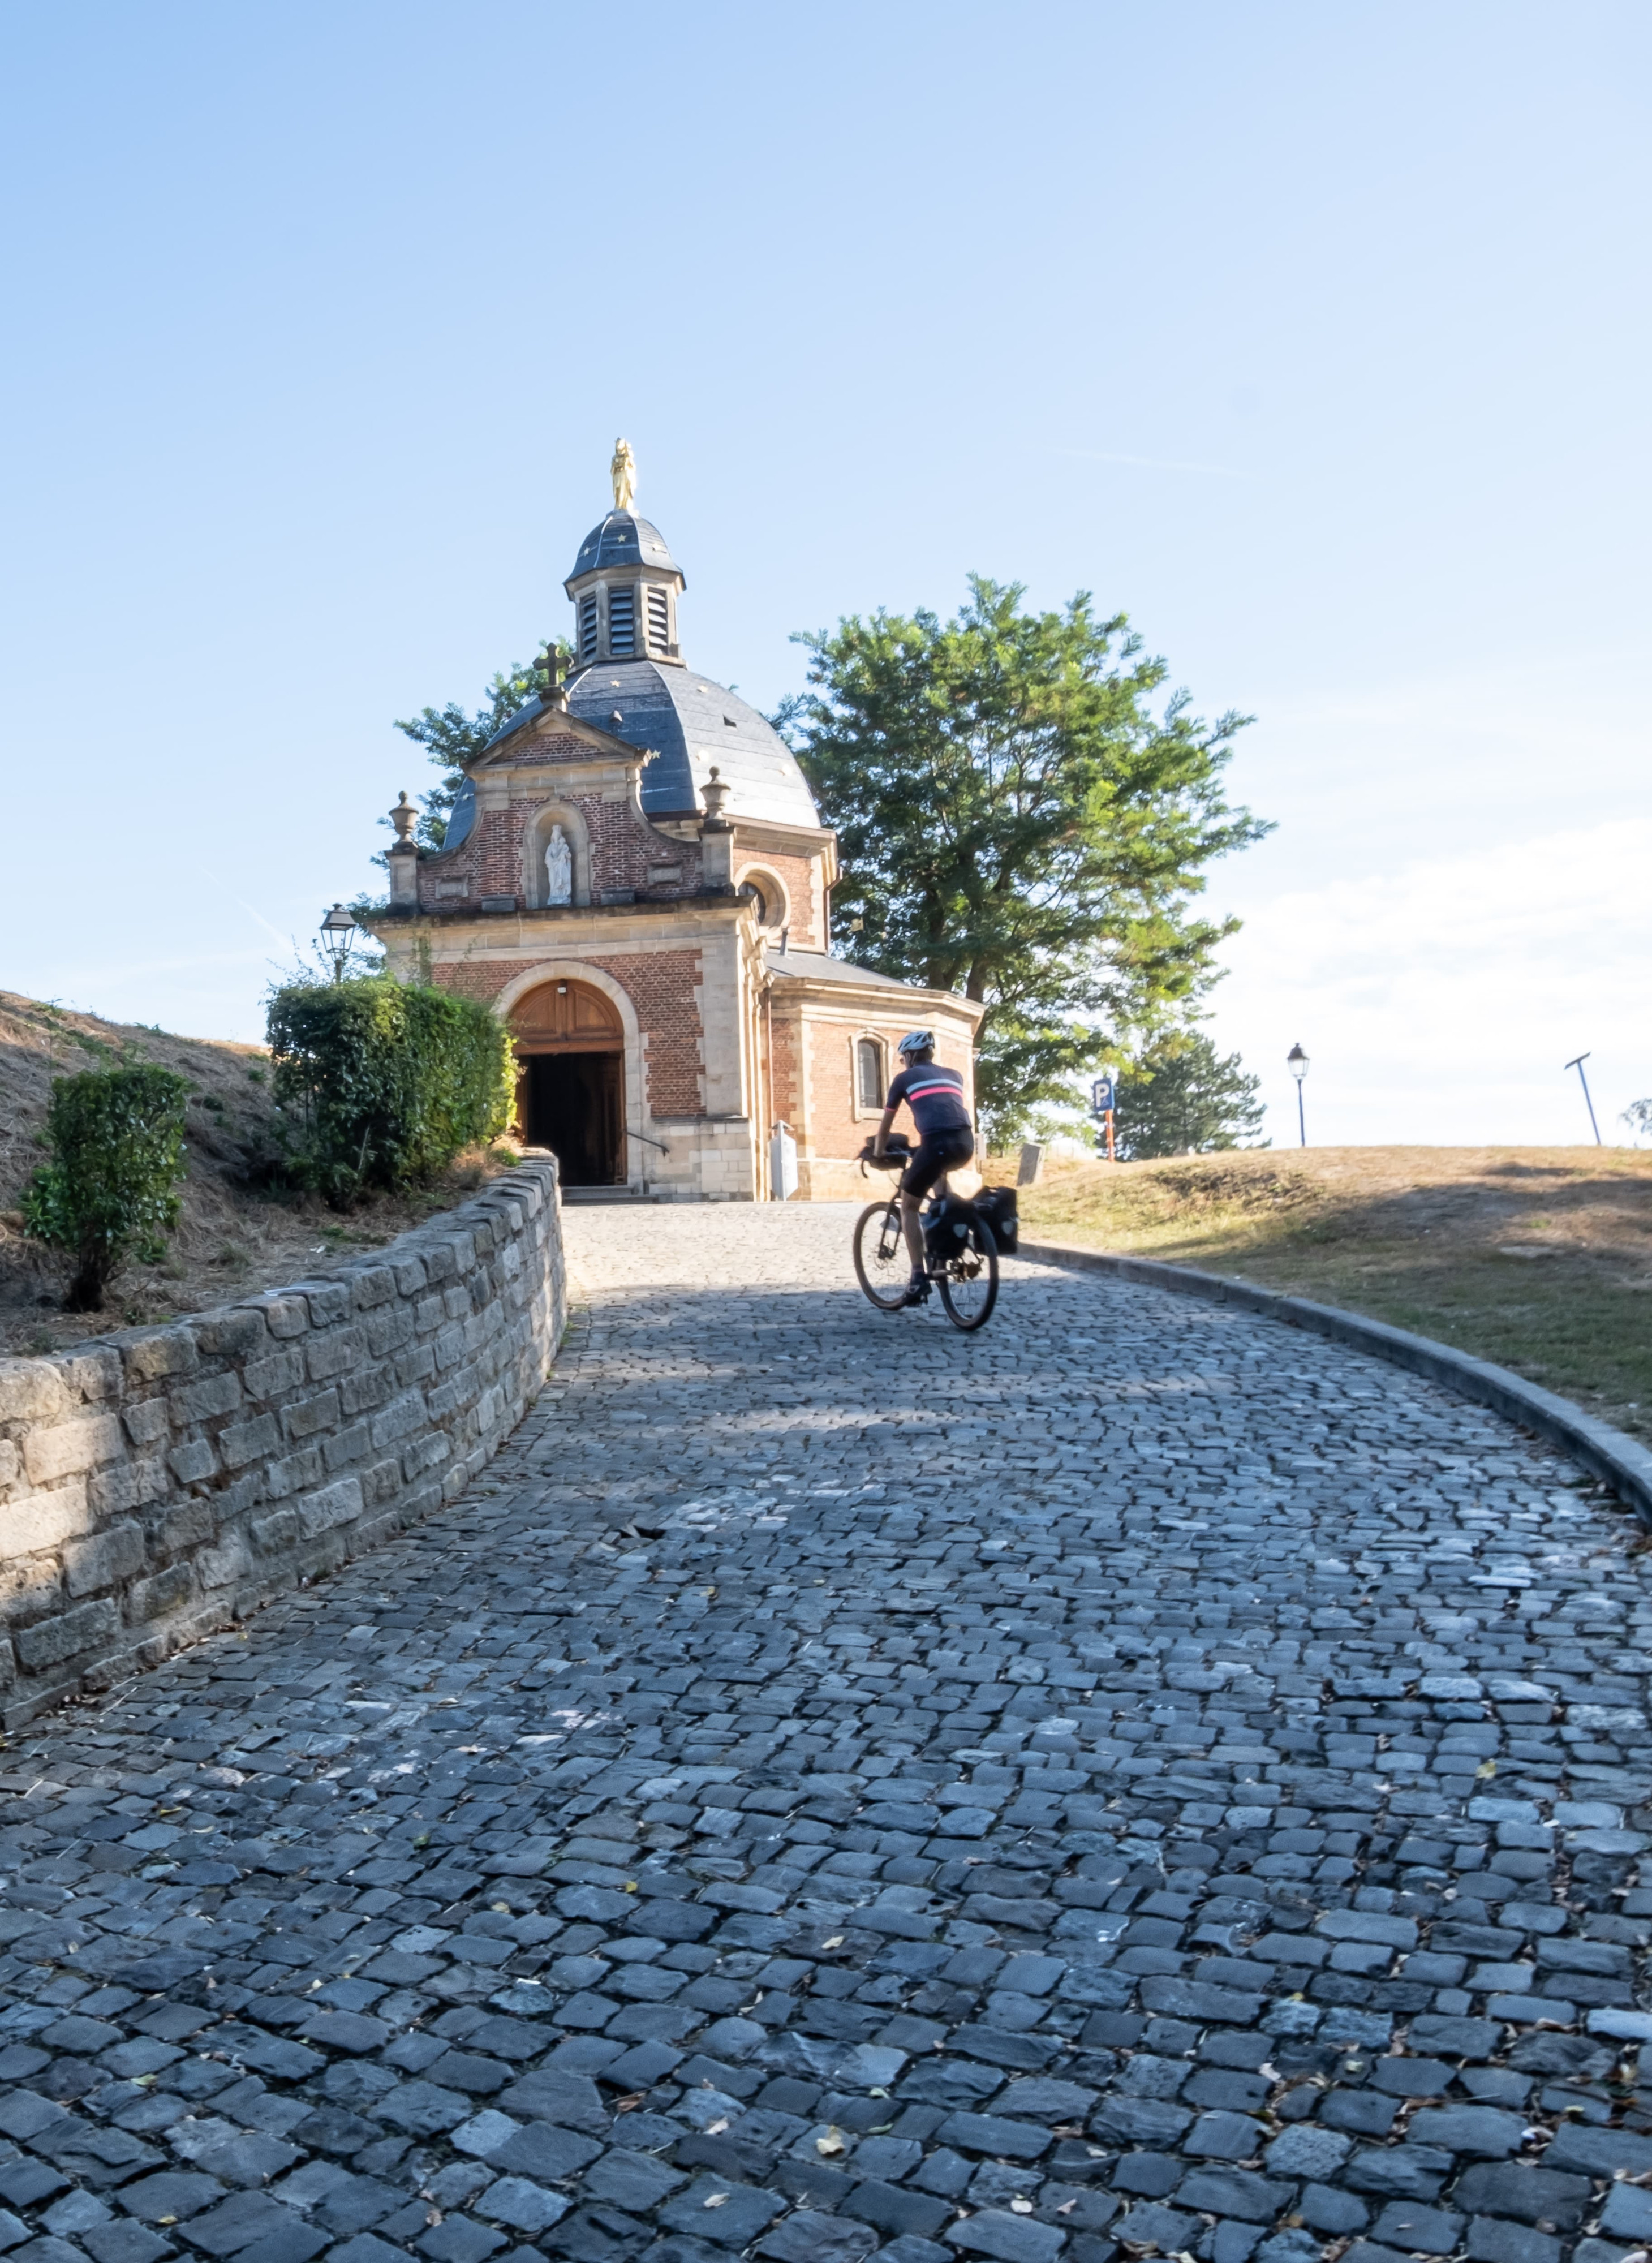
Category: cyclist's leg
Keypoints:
(912, 1227)
(915, 1182)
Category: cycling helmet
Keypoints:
(916, 1041)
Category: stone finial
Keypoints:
(714, 794)
(404, 817)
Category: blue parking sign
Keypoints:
(1101, 1095)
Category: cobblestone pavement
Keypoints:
(1138, 1779)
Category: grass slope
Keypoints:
(1539, 1258)
(231, 1240)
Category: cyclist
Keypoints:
(946, 1139)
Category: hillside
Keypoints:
(1539, 1258)
(231, 1240)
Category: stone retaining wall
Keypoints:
(158, 1484)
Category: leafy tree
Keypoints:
(382, 1083)
(1638, 1116)
(109, 1192)
(1182, 1097)
(1022, 818)
(452, 738)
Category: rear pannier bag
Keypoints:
(996, 1206)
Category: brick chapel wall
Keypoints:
(160, 1484)
(799, 875)
(623, 846)
(662, 986)
(836, 1126)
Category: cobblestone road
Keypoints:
(1138, 1779)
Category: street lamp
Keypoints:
(338, 932)
(1296, 1061)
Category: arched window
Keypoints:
(869, 1086)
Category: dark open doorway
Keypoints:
(573, 1108)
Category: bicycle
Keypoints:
(960, 1256)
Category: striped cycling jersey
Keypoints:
(934, 1094)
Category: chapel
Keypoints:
(636, 877)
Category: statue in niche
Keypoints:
(558, 868)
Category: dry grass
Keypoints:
(231, 1240)
(1539, 1258)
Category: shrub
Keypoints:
(383, 1082)
(116, 1137)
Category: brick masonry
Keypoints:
(162, 1482)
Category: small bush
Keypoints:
(116, 1138)
(382, 1083)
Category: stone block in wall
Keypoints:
(241, 1443)
(302, 1417)
(193, 1461)
(224, 1565)
(333, 1504)
(145, 1421)
(274, 1535)
(209, 1396)
(186, 1525)
(64, 1450)
(371, 1285)
(332, 1352)
(346, 1447)
(116, 1553)
(71, 1634)
(168, 1591)
(284, 1314)
(369, 1387)
(237, 1332)
(150, 1358)
(279, 1371)
(38, 1521)
(329, 1302)
(31, 1391)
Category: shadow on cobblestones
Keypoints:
(1138, 1781)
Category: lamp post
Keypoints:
(1588, 1102)
(1296, 1061)
(338, 932)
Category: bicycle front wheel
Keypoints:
(969, 1279)
(881, 1258)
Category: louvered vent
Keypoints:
(659, 617)
(622, 623)
(588, 628)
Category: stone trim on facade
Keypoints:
(160, 1483)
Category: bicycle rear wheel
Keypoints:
(882, 1266)
(970, 1280)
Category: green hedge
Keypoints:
(382, 1083)
(117, 1142)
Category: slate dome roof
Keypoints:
(622, 539)
(689, 723)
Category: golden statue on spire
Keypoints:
(623, 472)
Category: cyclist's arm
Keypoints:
(880, 1138)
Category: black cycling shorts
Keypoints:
(940, 1151)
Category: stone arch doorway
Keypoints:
(570, 1079)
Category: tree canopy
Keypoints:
(1182, 1097)
(451, 739)
(1023, 815)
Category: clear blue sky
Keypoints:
(1316, 338)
